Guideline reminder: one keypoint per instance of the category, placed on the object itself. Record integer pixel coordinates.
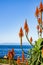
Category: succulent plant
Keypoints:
(36, 53)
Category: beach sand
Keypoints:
(5, 64)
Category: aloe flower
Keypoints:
(23, 57)
(37, 27)
(41, 6)
(39, 20)
(31, 39)
(18, 60)
(11, 56)
(26, 27)
(21, 35)
(36, 12)
(38, 30)
(27, 62)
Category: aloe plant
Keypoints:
(36, 54)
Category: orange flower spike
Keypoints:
(23, 58)
(13, 51)
(40, 30)
(10, 55)
(27, 62)
(31, 40)
(26, 27)
(37, 27)
(37, 12)
(21, 32)
(41, 6)
(42, 52)
(39, 20)
(25, 24)
(27, 30)
(21, 35)
(18, 60)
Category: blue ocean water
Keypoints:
(18, 51)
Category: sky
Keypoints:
(12, 16)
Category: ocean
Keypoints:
(18, 51)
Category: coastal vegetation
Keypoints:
(36, 53)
